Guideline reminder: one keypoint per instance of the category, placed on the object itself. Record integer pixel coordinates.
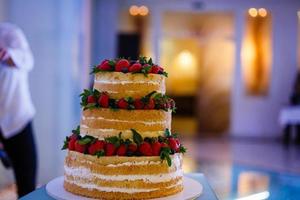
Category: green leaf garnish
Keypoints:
(167, 132)
(100, 153)
(165, 155)
(137, 138)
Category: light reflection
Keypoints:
(258, 196)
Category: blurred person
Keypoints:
(16, 108)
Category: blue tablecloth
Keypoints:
(207, 194)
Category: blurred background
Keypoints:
(232, 70)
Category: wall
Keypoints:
(250, 116)
(56, 34)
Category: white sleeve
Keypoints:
(19, 50)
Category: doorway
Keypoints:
(198, 51)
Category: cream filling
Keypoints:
(91, 186)
(82, 172)
(126, 82)
(118, 120)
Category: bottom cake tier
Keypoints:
(119, 177)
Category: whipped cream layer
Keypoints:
(92, 186)
(82, 172)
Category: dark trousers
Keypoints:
(22, 154)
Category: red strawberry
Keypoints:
(71, 143)
(122, 103)
(91, 99)
(104, 66)
(121, 150)
(132, 148)
(173, 144)
(110, 149)
(122, 65)
(145, 149)
(79, 147)
(156, 146)
(150, 104)
(154, 70)
(104, 100)
(138, 104)
(95, 147)
(136, 67)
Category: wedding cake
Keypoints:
(124, 148)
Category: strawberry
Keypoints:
(91, 99)
(104, 100)
(136, 67)
(122, 65)
(138, 104)
(79, 147)
(104, 66)
(155, 69)
(71, 143)
(145, 149)
(173, 144)
(132, 148)
(122, 103)
(110, 149)
(121, 150)
(150, 104)
(95, 147)
(156, 146)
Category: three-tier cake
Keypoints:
(124, 148)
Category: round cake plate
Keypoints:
(191, 190)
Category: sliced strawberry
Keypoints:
(145, 149)
(95, 147)
(173, 144)
(121, 150)
(104, 100)
(122, 65)
(110, 149)
(122, 103)
(105, 66)
(138, 104)
(150, 104)
(156, 146)
(136, 67)
(132, 148)
(91, 99)
(79, 147)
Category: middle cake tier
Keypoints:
(105, 122)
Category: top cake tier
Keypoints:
(134, 78)
(135, 85)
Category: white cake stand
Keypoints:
(192, 189)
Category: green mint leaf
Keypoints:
(85, 140)
(66, 143)
(77, 130)
(114, 140)
(100, 153)
(182, 149)
(150, 62)
(165, 155)
(167, 132)
(137, 138)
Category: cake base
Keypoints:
(191, 190)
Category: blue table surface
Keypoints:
(207, 193)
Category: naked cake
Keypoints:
(124, 148)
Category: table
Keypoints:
(207, 194)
